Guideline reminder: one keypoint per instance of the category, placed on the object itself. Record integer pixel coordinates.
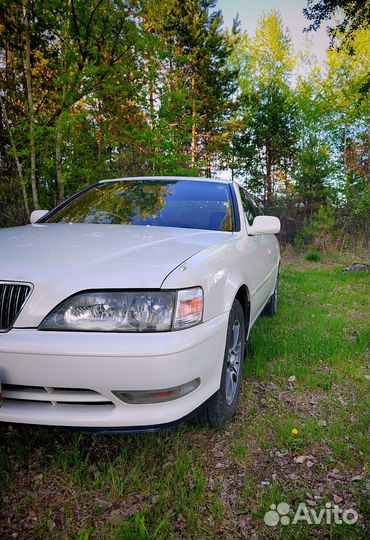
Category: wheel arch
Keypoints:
(243, 297)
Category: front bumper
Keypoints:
(67, 378)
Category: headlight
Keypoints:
(157, 311)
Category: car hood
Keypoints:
(61, 259)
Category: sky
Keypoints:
(292, 13)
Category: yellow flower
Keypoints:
(295, 432)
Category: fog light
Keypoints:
(156, 396)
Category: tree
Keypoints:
(356, 15)
(198, 71)
(96, 43)
(348, 105)
(97, 88)
(312, 176)
(269, 118)
(31, 112)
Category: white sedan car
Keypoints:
(127, 308)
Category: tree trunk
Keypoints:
(16, 159)
(101, 141)
(152, 122)
(368, 134)
(151, 104)
(209, 167)
(193, 141)
(59, 133)
(193, 127)
(345, 148)
(58, 162)
(35, 195)
(268, 187)
(286, 181)
(348, 186)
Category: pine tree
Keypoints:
(200, 81)
(268, 111)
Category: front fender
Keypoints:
(218, 269)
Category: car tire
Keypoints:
(221, 407)
(272, 305)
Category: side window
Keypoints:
(250, 209)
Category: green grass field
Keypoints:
(306, 370)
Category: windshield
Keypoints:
(162, 203)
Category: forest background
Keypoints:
(94, 89)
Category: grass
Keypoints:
(306, 369)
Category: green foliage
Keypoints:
(145, 87)
(355, 15)
(312, 174)
(313, 256)
(119, 89)
(267, 110)
(322, 227)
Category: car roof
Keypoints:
(153, 178)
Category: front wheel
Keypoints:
(222, 405)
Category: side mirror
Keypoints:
(37, 214)
(264, 225)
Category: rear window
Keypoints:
(178, 203)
